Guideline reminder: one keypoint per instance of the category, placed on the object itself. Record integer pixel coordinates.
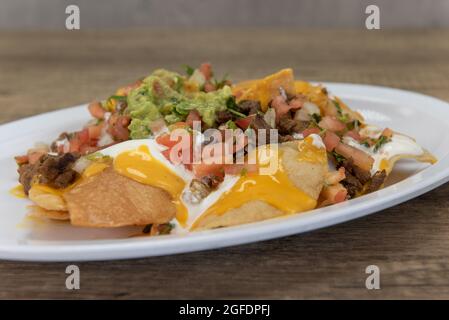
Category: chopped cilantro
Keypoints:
(231, 125)
(231, 104)
(238, 114)
(380, 142)
(353, 125)
(316, 118)
(97, 156)
(243, 172)
(118, 98)
(220, 84)
(365, 143)
(232, 107)
(343, 117)
(189, 70)
(338, 157)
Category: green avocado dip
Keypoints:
(163, 95)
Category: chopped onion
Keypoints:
(306, 111)
(81, 164)
(270, 117)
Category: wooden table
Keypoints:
(41, 71)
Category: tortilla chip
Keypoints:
(306, 176)
(36, 211)
(264, 90)
(47, 198)
(109, 199)
(426, 157)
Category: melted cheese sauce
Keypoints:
(141, 166)
(312, 149)
(274, 189)
(18, 192)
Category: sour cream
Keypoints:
(399, 145)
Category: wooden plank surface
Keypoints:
(44, 71)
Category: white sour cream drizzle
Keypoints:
(398, 145)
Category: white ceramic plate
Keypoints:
(422, 117)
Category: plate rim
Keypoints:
(131, 248)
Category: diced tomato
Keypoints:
(296, 103)
(83, 136)
(166, 153)
(95, 132)
(21, 159)
(96, 110)
(206, 70)
(360, 158)
(309, 131)
(244, 123)
(280, 106)
(387, 132)
(165, 140)
(331, 140)
(354, 135)
(340, 196)
(333, 194)
(194, 115)
(184, 153)
(74, 144)
(332, 123)
(204, 169)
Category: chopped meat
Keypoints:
(259, 123)
(362, 175)
(212, 181)
(287, 125)
(357, 178)
(223, 116)
(249, 106)
(54, 171)
(118, 127)
(286, 138)
(55, 147)
(201, 188)
(377, 181)
(352, 184)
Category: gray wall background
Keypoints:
(50, 14)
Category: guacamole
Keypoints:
(163, 94)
